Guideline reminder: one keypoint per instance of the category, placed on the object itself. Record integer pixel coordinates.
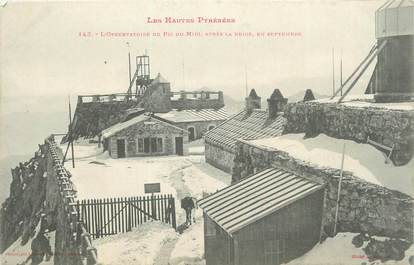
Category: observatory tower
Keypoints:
(394, 24)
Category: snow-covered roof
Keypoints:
(123, 125)
(341, 250)
(364, 160)
(245, 125)
(191, 115)
(253, 198)
(367, 101)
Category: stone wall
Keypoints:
(20, 212)
(219, 157)
(201, 127)
(157, 98)
(387, 127)
(141, 130)
(41, 190)
(186, 102)
(363, 208)
(93, 117)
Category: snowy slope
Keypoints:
(340, 251)
(363, 160)
(139, 247)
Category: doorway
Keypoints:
(191, 131)
(120, 146)
(179, 146)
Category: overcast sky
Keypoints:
(41, 52)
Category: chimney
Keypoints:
(253, 101)
(308, 95)
(276, 103)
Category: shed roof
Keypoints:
(123, 125)
(247, 126)
(192, 115)
(255, 197)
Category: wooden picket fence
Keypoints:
(104, 217)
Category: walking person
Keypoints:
(187, 204)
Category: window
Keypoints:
(150, 145)
(159, 145)
(273, 251)
(140, 145)
(153, 144)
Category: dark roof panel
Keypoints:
(255, 197)
(247, 126)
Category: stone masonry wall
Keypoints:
(142, 130)
(219, 157)
(201, 127)
(41, 188)
(20, 212)
(93, 117)
(363, 207)
(387, 127)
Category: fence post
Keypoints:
(174, 224)
(153, 213)
(129, 214)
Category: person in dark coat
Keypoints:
(187, 204)
(40, 248)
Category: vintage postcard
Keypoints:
(207, 133)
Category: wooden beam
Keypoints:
(363, 70)
(355, 71)
(339, 190)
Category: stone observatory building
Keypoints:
(144, 135)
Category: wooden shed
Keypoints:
(271, 217)
(144, 135)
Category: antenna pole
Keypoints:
(341, 72)
(129, 66)
(339, 190)
(333, 71)
(70, 134)
(245, 76)
(183, 75)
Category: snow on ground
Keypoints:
(138, 247)
(363, 160)
(208, 178)
(189, 248)
(101, 176)
(340, 251)
(196, 147)
(82, 148)
(390, 106)
(367, 101)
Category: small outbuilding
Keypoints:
(271, 217)
(144, 135)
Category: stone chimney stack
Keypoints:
(253, 101)
(308, 95)
(276, 103)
